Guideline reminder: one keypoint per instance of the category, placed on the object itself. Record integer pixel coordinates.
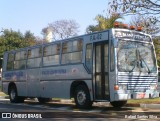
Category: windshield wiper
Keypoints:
(149, 71)
(140, 60)
(135, 62)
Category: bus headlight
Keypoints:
(122, 87)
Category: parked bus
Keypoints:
(112, 66)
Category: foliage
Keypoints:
(143, 7)
(157, 49)
(30, 39)
(11, 40)
(103, 23)
(62, 29)
(148, 27)
(149, 8)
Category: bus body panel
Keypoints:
(5, 87)
(49, 88)
(21, 87)
(62, 77)
(73, 71)
(33, 82)
(18, 78)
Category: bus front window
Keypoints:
(135, 57)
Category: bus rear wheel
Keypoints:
(44, 100)
(118, 104)
(82, 97)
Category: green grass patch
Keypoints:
(145, 101)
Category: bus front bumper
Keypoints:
(136, 95)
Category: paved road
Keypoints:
(68, 112)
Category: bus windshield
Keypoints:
(135, 57)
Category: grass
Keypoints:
(1, 93)
(146, 101)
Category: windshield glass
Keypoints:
(135, 57)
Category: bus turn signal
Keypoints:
(116, 87)
(132, 27)
(139, 28)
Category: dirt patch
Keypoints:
(2, 94)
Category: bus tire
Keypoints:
(82, 97)
(118, 104)
(44, 100)
(13, 95)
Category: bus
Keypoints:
(113, 65)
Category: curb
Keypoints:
(4, 97)
(151, 106)
(1, 97)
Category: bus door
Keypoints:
(101, 71)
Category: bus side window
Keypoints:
(112, 61)
(34, 57)
(72, 51)
(20, 60)
(10, 61)
(51, 54)
(89, 57)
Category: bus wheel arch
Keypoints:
(80, 92)
(11, 85)
(13, 94)
(74, 85)
(12, 91)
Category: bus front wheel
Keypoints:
(118, 104)
(82, 97)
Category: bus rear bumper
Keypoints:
(136, 95)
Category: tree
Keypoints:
(143, 7)
(157, 49)
(62, 29)
(103, 23)
(151, 8)
(148, 27)
(29, 39)
(12, 40)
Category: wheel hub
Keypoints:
(81, 97)
(13, 94)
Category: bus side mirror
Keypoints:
(115, 42)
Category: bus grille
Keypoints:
(137, 82)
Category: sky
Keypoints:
(34, 15)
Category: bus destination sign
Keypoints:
(132, 35)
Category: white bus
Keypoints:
(113, 66)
